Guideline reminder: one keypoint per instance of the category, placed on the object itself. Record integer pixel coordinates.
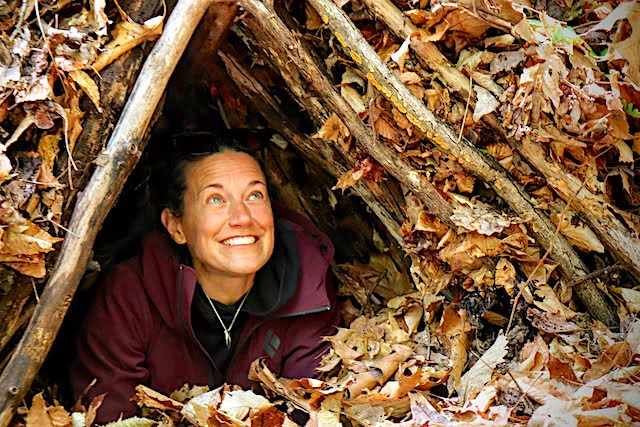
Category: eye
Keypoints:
(215, 199)
(256, 195)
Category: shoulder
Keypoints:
(315, 254)
(312, 243)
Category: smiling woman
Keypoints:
(220, 287)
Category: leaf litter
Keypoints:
(428, 344)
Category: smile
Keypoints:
(235, 241)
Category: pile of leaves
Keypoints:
(48, 54)
(481, 330)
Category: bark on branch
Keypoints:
(121, 155)
(623, 244)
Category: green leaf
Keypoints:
(630, 109)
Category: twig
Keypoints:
(602, 272)
(466, 110)
(370, 291)
(21, 18)
(523, 395)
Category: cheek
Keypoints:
(265, 218)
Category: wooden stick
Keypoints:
(623, 244)
(117, 161)
(484, 167)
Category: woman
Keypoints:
(226, 283)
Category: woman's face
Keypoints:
(227, 223)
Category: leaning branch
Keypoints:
(469, 157)
(118, 159)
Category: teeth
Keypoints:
(246, 240)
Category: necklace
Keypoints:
(227, 331)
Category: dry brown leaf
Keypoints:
(126, 35)
(454, 328)
(482, 218)
(353, 98)
(534, 355)
(5, 167)
(314, 21)
(551, 323)
(382, 273)
(506, 276)
(579, 235)
(88, 85)
(464, 252)
(617, 356)
(480, 373)
(423, 413)
(486, 103)
(631, 297)
(152, 399)
(550, 302)
(37, 415)
(386, 129)
(379, 371)
(365, 169)
(560, 369)
(93, 409)
(333, 130)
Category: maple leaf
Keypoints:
(125, 36)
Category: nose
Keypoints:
(239, 214)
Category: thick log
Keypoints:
(469, 157)
(622, 243)
(113, 166)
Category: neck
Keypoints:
(227, 290)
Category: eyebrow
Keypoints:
(220, 186)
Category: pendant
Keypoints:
(227, 338)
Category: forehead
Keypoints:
(227, 167)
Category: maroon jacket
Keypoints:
(139, 330)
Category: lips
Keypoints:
(236, 241)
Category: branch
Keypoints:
(121, 155)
